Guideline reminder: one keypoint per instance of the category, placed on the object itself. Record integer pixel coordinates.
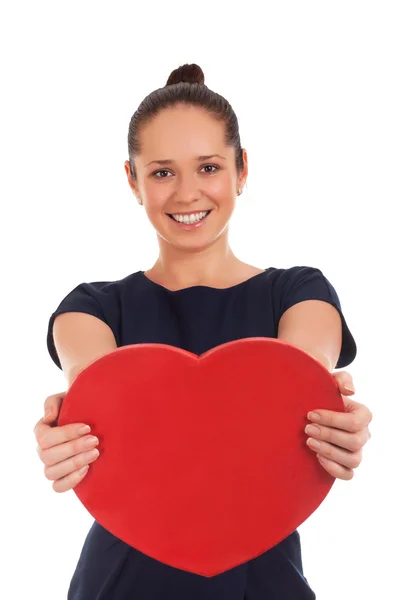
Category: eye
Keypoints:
(155, 173)
(161, 171)
(214, 166)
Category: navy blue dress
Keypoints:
(196, 319)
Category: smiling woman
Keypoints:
(194, 127)
(186, 167)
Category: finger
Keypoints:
(345, 383)
(52, 407)
(343, 457)
(353, 421)
(62, 452)
(70, 481)
(74, 463)
(343, 439)
(336, 470)
(47, 436)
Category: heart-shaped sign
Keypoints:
(203, 460)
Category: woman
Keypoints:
(185, 167)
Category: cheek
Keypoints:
(156, 196)
(221, 188)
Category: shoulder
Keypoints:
(294, 273)
(104, 291)
(301, 282)
(105, 300)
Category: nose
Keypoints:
(187, 189)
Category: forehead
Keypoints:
(182, 131)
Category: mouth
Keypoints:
(189, 219)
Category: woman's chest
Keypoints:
(197, 323)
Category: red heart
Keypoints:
(203, 460)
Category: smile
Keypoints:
(189, 219)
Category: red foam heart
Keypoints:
(203, 460)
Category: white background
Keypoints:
(315, 86)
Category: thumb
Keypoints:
(52, 407)
(345, 383)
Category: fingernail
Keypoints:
(83, 430)
(312, 430)
(314, 443)
(93, 454)
(92, 441)
(348, 386)
(313, 416)
(47, 413)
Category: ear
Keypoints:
(243, 175)
(131, 182)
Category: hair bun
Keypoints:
(186, 73)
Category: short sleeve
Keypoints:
(308, 283)
(88, 298)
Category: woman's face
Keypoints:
(185, 183)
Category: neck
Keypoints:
(178, 268)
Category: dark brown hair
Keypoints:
(185, 85)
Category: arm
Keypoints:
(67, 451)
(315, 327)
(81, 338)
(337, 438)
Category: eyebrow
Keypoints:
(168, 161)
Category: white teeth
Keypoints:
(189, 219)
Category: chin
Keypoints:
(191, 245)
(187, 242)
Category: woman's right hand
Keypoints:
(65, 451)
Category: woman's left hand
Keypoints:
(338, 438)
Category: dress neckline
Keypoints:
(202, 287)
